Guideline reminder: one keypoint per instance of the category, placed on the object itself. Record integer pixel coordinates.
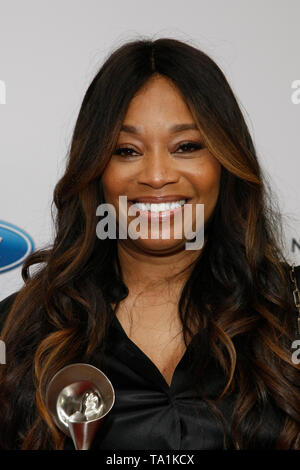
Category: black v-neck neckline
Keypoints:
(141, 358)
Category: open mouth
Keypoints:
(160, 207)
(161, 210)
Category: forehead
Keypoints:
(173, 129)
(158, 104)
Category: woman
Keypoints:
(197, 343)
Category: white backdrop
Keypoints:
(51, 50)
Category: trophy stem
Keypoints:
(83, 433)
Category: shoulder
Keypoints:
(296, 285)
(294, 276)
(297, 271)
(5, 306)
(288, 268)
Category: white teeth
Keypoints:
(159, 207)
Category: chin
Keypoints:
(160, 244)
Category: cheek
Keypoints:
(207, 179)
(111, 182)
(117, 179)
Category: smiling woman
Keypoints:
(196, 343)
(161, 157)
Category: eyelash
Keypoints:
(187, 144)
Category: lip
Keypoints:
(159, 199)
(159, 215)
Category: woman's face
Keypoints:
(161, 161)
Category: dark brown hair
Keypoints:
(244, 308)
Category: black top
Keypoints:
(149, 414)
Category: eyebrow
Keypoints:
(173, 129)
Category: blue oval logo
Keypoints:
(15, 246)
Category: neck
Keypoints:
(155, 272)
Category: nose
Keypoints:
(158, 168)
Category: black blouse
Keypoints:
(149, 414)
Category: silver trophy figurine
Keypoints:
(78, 397)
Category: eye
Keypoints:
(121, 150)
(189, 146)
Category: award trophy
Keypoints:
(78, 397)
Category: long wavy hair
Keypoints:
(244, 309)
